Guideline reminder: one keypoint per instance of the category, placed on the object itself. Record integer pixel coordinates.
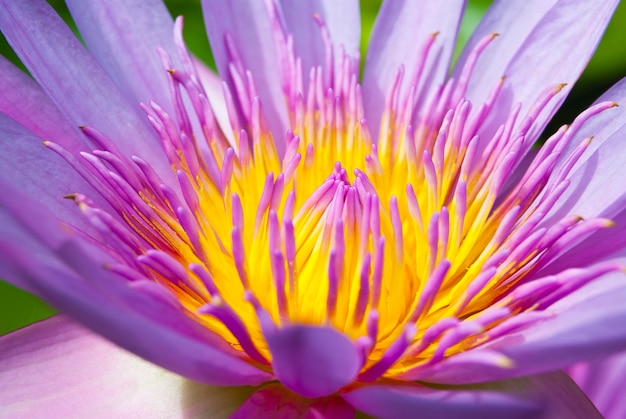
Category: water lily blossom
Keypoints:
(292, 240)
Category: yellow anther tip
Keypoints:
(505, 362)
(559, 87)
(609, 223)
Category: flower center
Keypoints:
(413, 246)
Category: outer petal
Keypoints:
(312, 361)
(342, 18)
(15, 233)
(56, 368)
(39, 173)
(248, 24)
(561, 397)
(402, 26)
(74, 81)
(123, 36)
(277, 402)
(534, 51)
(604, 382)
(25, 102)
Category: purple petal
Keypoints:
(312, 361)
(25, 102)
(604, 382)
(277, 402)
(534, 52)
(401, 28)
(342, 18)
(555, 393)
(74, 81)
(123, 36)
(56, 368)
(15, 233)
(401, 401)
(247, 22)
(39, 173)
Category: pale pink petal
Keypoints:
(56, 368)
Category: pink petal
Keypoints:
(275, 401)
(57, 369)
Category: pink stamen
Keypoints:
(429, 292)
(364, 289)
(239, 256)
(227, 316)
(391, 356)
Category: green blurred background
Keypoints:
(18, 308)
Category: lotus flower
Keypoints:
(292, 241)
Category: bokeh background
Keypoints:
(18, 309)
